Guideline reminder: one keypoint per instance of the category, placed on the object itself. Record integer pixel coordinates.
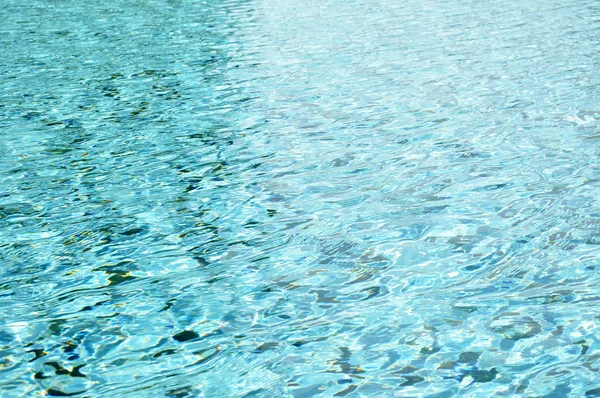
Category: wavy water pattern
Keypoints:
(257, 198)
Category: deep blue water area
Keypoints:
(299, 198)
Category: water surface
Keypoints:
(256, 198)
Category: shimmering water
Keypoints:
(255, 198)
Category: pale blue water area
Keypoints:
(308, 198)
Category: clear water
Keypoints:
(255, 198)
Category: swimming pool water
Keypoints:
(256, 198)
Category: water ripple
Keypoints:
(259, 199)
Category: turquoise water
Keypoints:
(254, 198)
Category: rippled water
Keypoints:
(254, 198)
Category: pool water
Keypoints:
(309, 198)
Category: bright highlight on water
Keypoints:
(256, 198)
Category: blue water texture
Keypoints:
(299, 198)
